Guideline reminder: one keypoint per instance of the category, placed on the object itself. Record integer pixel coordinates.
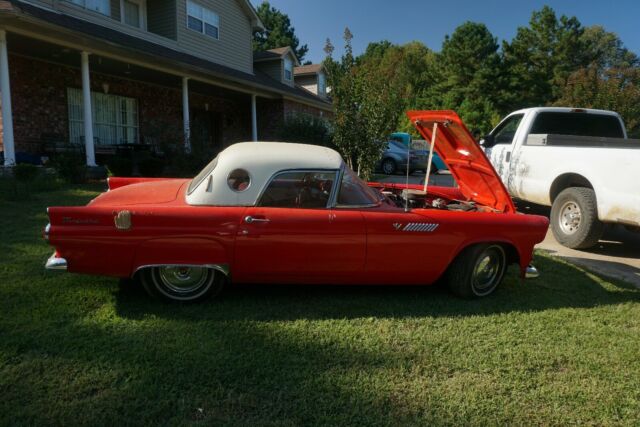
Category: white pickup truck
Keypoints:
(578, 161)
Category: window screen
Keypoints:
(299, 189)
(577, 124)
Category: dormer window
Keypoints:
(288, 69)
(100, 6)
(322, 84)
(203, 20)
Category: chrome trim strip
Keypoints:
(56, 263)
(420, 227)
(223, 268)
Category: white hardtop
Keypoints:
(261, 160)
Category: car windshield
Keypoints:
(397, 145)
(355, 192)
(205, 172)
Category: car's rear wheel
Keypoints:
(389, 166)
(574, 218)
(176, 283)
(477, 270)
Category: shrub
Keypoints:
(150, 165)
(25, 172)
(305, 129)
(70, 166)
(120, 165)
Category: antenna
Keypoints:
(433, 143)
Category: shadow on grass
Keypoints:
(561, 285)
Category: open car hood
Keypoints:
(472, 170)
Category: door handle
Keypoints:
(507, 156)
(249, 219)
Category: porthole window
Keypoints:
(239, 180)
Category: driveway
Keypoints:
(617, 255)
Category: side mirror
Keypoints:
(488, 141)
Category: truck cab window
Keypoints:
(505, 132)
(577, 124)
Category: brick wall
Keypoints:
(39, 101)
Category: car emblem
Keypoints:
(397, 225)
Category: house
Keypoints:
(102, 73)
(313, 78)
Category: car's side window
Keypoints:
(299, 189)
(355, 192)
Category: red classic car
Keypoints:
(265, 212)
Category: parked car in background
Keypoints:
(394, 158)
(264, 212)
(578, 161)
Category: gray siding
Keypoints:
(47, 3)
(310, 83)
(115, 9)
(233, 49)
(161, 18)
(274, 69)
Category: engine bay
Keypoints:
(414, 198)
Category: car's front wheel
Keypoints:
(477, 270)
(389, 166)
(176, 283)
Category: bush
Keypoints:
(71, 166)
(25, 172)
(120, 165)
(305, 129)
(150, 165)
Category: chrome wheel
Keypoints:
(183, 283)
(183, 279)
(570, 217)
(488, 270)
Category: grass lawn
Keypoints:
(80, 350)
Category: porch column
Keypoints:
(7, 115)
(185, 114)
(87, 115)
(254, 119)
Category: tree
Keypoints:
(605, 50)
(541, 57)
(278, 32)
(367, 99)
(466, 77)
(616, 89)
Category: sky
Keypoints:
(428, 21)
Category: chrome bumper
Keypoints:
(56, 263)
(531, 272)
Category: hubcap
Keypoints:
(570, 217)
(488, 270)
(387, 167)
(182, 279)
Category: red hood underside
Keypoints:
(476, 177)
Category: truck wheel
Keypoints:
(477, 270)
(389, 166)
(182, 283)
(574, 218)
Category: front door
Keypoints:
(292, 237)
(502, 152)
